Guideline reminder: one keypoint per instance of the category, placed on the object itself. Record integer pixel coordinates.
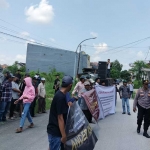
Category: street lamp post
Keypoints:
(79, 55)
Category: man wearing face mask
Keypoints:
(142, 102)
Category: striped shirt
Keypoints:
(142, 98)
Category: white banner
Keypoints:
(106, 100)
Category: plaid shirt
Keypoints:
(6, 89)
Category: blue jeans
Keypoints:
(2, 109)
(25, 113)
(6, 110)
(125, 101)
(54, 142)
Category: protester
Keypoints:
(15, 96)
(6, 74)
(18, 75)
(21, 88)
(124, 95)
(28, 97)
(142, 101)
(108, 68)
(83, 104)
(6, 91)
(97, 81)
(37, 76)
(58, 116)
(56, 83)
(78, 88)
(131, 86)
(103, 83)
(42, 96)
(91, 83)
(33, 104)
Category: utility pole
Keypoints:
(79, 61)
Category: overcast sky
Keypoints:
(65, 23)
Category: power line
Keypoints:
(141, 40)
(109, 46)
(32, 34)
(14, 36)
(12, 40)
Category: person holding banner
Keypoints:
(142, 101)
(78, 88)
(124, 95)
(58, 116)
(97, 81)
(83, 104)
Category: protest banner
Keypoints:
(79, 133)
(106, 100)
(91, 100)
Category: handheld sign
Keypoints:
(79, 133)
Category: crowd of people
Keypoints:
(19, 95)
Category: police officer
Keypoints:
(142, 101)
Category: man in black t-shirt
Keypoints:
(58, 115)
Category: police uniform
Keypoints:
(142, 101)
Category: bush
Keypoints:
(137, 84)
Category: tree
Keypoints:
(115, 74)
(137, 68)
(116, 65)
(125, 75)
(116, 69)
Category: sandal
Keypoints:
(19, 130)
(31, 125)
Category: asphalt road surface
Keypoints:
(115, 132)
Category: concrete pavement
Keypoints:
(115, 132)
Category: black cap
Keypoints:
(67, 80)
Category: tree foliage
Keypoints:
(116, 65)
(125, 75)
(137, 69)
(116, 69)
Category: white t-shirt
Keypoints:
(15, 94)
(131, 87)
(108, 66)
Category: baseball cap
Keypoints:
(42, 79)
(11, 75)
(91, 80)
(82, 77)
(86, 83)
(67, 80)
(36, 76)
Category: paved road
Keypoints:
(116, 132)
